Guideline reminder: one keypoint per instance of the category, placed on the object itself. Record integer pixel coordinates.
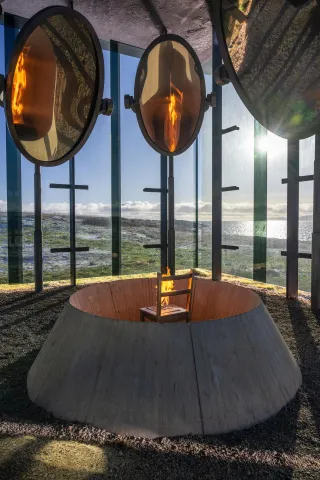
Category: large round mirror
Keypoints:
(170, 95)
(271, 49)
(54, 85)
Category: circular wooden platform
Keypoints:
(226, 370)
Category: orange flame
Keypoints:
(166, 287)
(19, 86)
(173, 118)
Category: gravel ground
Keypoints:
(33, 445)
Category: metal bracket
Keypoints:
(155, 190)
(221, 76)
(106, 107)
(230, 189)
(68, 249)
(155, 245)
(211, 100)
(229, 247)
(302, 178)
(230, 129)
(129, 103)
(300, 255)
(2, 86)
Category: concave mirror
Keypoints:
(54, 85)
(271, 49)
(169, 95)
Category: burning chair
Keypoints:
(164, 311)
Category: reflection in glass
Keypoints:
(53, 88)
(170, 96)
(275, 51)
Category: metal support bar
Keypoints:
(315, 266)
(164, 212)
(13, 163)
(115, 158)
(301, 178)
(68, 249)
(230, 189)
(260, 206)
(171, 231)
(154, 245)
(229, 130)
(38, 266)
(155, 190)
(174, 293)
(72, 196)
(300, 254)
(229, 247)
(293, 219)
(216, 167)
(67, 186)
(196, 229)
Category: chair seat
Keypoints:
(169, 313)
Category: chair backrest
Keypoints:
(166, 278)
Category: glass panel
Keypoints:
(140, 168)
(184, 184)
(205, 184)
(3, 183)
(93, 206)
(238, 170)
(27, 186)
(170, 95)
(307, 153)
(277, 209)
(275, 51)
(55, 223)
(54, 86)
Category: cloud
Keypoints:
(185, 210)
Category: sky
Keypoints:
(140, 165)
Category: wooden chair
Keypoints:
(171, 312)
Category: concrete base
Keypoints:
(101, 366)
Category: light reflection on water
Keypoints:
(275, 229)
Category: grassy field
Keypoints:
(95, 232)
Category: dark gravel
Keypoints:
(287, 446)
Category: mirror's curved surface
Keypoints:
(54, 85)
(170, 95)
(272, 52)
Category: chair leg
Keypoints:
(141, 317)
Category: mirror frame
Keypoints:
(21, 39)
(142, 64)
(235, 80)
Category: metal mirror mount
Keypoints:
(54, 85)
(169, 95)
(271, 53)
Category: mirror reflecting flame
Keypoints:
(173, 118)
(19, 87)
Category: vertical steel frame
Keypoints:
(164, 212)
(315, 265)
(72, 197)
(196, 229)
(14, 194)
(38, 266)
(171, 231)
(260, 206)
(293, 219)
(115, 158)
(216, 168)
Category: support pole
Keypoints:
(115, 158)
(38, 266)
(216, 168)
(260, 206)
(315, 265)
(293, 219)
(171, 231)
(72, 191)
(14, 195)
(164, 212)
(196, 229)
